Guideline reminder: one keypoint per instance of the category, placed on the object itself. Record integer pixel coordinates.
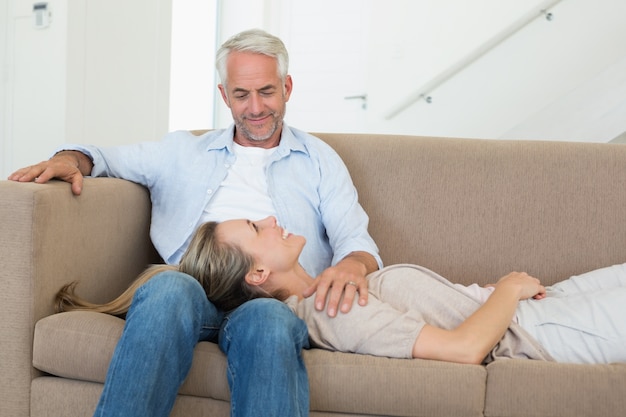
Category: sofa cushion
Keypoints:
(79, 345)
(583, 390)
(76, 345)
(369, 385)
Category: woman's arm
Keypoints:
(473, 339)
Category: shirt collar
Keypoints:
(288, 141)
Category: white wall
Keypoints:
(4, 11)
(124, 68)
(34, 85)
(192, 79)
(98, 74)
(326, 40)
(563, 79)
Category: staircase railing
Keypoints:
(423, 93)
(619, 139)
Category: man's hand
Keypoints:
(340, 283)
(69, 166)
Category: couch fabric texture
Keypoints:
(471, 210)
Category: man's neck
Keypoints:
(268, 143)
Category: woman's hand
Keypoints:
(530, 287)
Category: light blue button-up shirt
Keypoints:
(307, 181)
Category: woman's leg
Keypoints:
(168, 316)
(263, 340)
(587, 327)
(603, 278)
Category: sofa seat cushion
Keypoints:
(604, 392)
(79, 345)
(76, 345)
(370, 385)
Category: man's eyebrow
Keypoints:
(264, 88)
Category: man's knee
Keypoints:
(265, 321)
(171, 297)
(172, 287)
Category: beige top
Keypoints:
(403, 298)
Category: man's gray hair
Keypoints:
(254, 41)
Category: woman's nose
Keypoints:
(269, 221)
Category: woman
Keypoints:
(412, 312)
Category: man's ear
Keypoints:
(224, 94)
(288, 87)
(257, 276)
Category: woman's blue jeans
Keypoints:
(169, 315)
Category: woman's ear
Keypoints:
(257, 276)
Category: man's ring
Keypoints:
(353, 283)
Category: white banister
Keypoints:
(424, 91)
(619, 139)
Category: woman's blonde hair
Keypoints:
(218, 266)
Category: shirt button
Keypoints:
(209, 191)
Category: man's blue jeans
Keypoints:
(262, 339)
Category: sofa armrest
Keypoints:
(49, 237)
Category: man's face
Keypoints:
(256, 97)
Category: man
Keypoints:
(255, 168)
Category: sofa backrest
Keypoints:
(474, 210)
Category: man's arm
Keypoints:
(70, 166)
(345, 279)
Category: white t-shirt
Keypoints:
(474, 290)
(243, 194)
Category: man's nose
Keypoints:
(255, 104)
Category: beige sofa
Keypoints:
(470, 209)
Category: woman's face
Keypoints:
(270, 245)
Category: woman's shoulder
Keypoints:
(405, 269)
(406, 275)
